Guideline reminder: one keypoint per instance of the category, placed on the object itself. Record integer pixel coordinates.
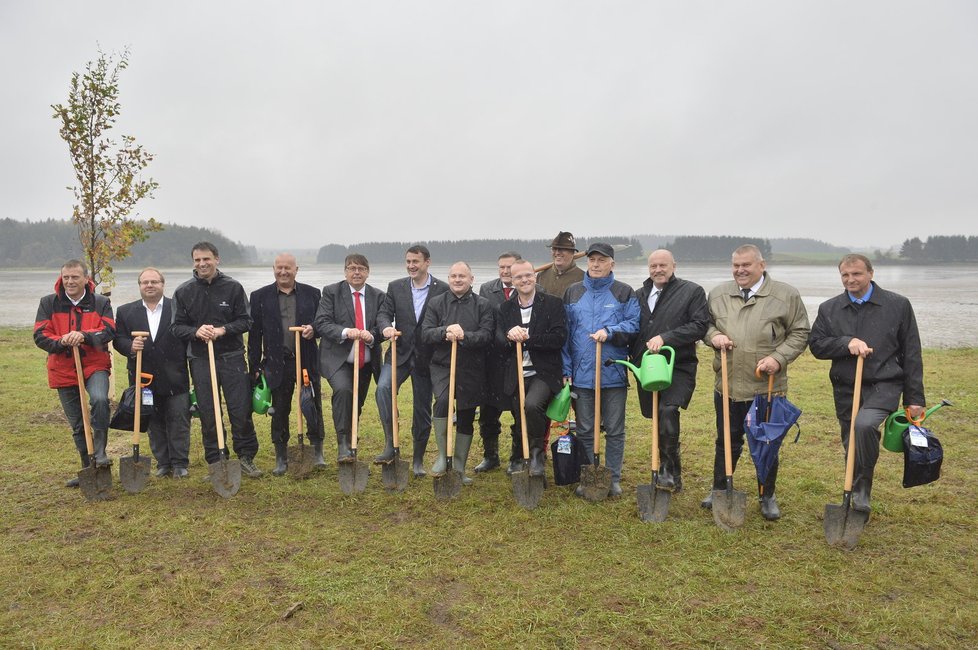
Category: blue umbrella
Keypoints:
(767, 422)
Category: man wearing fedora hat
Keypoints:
(564, 272)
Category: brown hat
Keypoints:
(564, 240)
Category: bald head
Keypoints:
(285, 270)
(662, 266)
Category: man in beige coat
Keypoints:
(763, 326)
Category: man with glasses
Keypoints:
(564, 272)
(346, 318)
(164, 357)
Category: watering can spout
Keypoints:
(927, 413)
(631, 366)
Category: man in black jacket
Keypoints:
(457, 315)
(164, 357)
(403, 311)
(878, 325)
(673, 312)
(271, 350)
(538, 321)
(213, 307)
(346, 317)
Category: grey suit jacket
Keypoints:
(398, 311)
(335, 313)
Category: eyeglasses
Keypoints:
(150, 282)
(357, 269)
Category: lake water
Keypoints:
(943, 297)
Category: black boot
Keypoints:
(538, 464)
(318, 462)
(73, 481)
(515, 456)
(670, 468)
(769, 504)
(862, 486)
(386, 456)
(281, 459)
(719, 474)
(490, 453)
(343, 452)
(417, 462)
(99, 440)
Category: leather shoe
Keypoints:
(769, 508)
(708, 501)
(181, 472)
(162, 472)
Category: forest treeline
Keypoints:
(941, 248)
(51, 242)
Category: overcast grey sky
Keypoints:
(296, 124)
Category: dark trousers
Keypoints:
(169, 430)
(421, 394)
(342, 401)
(464, 418)
(538, 396)
(233, 381)
(738, 411)
(283, 398)
(868, 422)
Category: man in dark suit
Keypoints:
(165, 357)
(538, 321)
(271, 350)
(346, 317)
(403, 310)
(497, 292)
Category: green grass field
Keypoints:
(177, 566)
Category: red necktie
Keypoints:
(506, 291)
(358, 312)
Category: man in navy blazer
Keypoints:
(403, 310)
(165, 357)
(271, 350)
(346, 317)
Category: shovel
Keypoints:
(842, 524)
(394, 473)
(595, 479)
(95, 481)
(300, 456)
(225, 474)
(653, 503)
(449, 485)
(729, 505)
(134, 471)
(353, 474)
(527, 489)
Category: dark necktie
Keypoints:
(358, 313)
(746, 293)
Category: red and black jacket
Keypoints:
(56, 316)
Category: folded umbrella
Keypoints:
(767, 422)
(307, 402)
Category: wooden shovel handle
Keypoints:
(770, 391)
(216, 398)
(578, 255)
(857, 390)
(655, 431)
(522, 391)
(298, 377)
(597, 397)
(138, 406)
(83, 396)
(451, 398)
(355, 424)
(725, 387)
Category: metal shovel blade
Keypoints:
(395, 474)
(133, 472)
(448, 485)
(843, 525)
(729, 508)
(353, 477)
(96, 482)
(653, 504)
(527, 490)
(596, 481)
(225, 476)
(300, 460)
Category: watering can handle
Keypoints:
(912, 421)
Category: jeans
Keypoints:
(169, 430)
(421, 388)
(234, 382)
(97, 387)
(613, 417)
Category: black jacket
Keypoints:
(221, 303)
(265, 340)
(681, 318)
(548, 333)
(474, 314)
(165, 357)
(888, 325)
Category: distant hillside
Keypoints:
(47, 243)
(804, 245)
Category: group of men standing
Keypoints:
(558, 316)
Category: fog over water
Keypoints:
(943, 296)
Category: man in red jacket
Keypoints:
(74, 316)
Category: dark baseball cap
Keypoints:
(601, 249)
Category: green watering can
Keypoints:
(898, 422)
(559, 406)
(654, 374)
(261, 397)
